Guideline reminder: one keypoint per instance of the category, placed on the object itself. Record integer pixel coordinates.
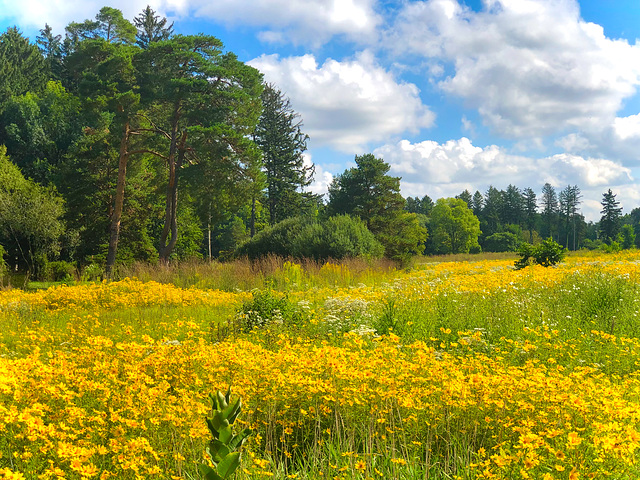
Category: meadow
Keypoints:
(450, 370)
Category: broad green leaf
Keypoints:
(238, 440)
(229, 465)
(218, 450)
(209, 473)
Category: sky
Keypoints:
(452, 94)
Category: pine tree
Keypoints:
(549, 210)
(569, 200)
(530, 208)
(22, 67)
(610, 220)
(279, 136)
(151, 28)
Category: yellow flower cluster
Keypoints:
(123, 294)
(128, 401)
(135, 410)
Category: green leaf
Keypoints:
(209, 473)
(238, 440)
(227, 396)
(229, 465)
(222, 403)
(218, 450)
(219, 422)
(212, 428)
(225, 434)
(232, 411)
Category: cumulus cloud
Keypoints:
(627, 127)
(321, 178)
(530, 67)
(346, 104)
(298, 21)
(445, 170)
(59, 13)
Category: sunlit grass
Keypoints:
(482, 372)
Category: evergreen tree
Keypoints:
(490, 218)
(51, 47)
(466, 196)
(477, 204)
(368, 192)
(203, 106)
(22, 67)
(279, 136)
(422, 206)
(512, 206)
(151, 28)
(549, 211)
(610, 220)
(530, 209)
(569, 201)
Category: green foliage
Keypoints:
(501, 242)
(22, 67)
(403, 236)
(4, 268)
(30, 217)
(628, 237)
(547, 253)
(266, 308)
(454, 227)
(223, 450)
(151, 28)
(59, 271)
(610, 220)
(38, 130)
(366, 191)
(280, 138)
(337, 237)
(369, 193)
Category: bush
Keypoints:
(337, 237)
(501, 242)
(4, 269)
(546, 254)
(265, 308)
(59, 271)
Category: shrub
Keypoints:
(546, 254)
(501, 242)
(266, 308)
(4, 269)
(60, 271)
(337, 237)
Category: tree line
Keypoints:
(123, 141)
(511, 216)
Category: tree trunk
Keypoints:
(252, 222)
(170, 230)
(116, 216)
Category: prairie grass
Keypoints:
(450, 370)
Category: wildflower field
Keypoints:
(452, 370)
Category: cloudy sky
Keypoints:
(453, 94)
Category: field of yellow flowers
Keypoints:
(453, 370)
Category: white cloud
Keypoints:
(445, 170)
(321, 178)
(346, 104)
(530, 67)
(297, 21)
(627, 127)
(59, 13)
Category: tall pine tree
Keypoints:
(279, 136)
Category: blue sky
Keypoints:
(453, 94)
